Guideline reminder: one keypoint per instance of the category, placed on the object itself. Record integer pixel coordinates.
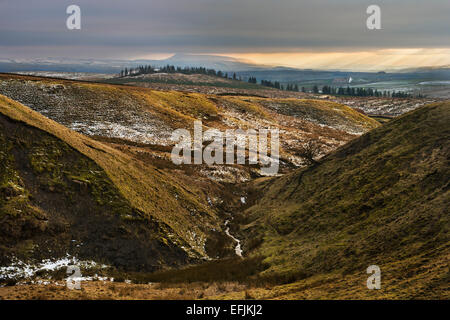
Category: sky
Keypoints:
(307, 34)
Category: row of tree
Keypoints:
(172, 69)
(252, 80)
(364, 92)
(276, 85)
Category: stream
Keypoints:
(237, 249)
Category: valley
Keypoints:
(86, 173)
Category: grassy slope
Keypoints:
(150, 116)
(175, 108)
(183, 79)
(55, 201)
(149, 191)
(381, 199)
(318, 111)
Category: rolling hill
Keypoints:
(119, 187)
(381, 199)
(141, 115)
(62, 193)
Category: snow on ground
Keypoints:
(21, 270)
(137, 132)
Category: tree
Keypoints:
(253, 80)
(316, 89)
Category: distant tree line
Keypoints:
(268, 83)
(364, 92)
(252, 80)
(292, 87)
(172, 69)
(276, 84)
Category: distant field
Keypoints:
(428, 87)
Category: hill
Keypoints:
(140, 115)
(62, 193)
(180, 79)
(381, 199)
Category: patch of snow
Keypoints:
(20, 269)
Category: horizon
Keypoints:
(322, 35)
(328, 62)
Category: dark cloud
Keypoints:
(138, 27)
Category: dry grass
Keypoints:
(99, 290)
(330, 124)
(381, 199)
(149, 190)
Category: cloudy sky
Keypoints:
(315, 33)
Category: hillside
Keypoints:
(140, 115)
(381, 199)
(62, 193)
(382, 106)
(183, 79)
